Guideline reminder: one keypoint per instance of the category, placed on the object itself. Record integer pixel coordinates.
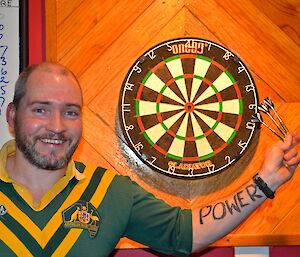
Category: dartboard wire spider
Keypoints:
(266, 107)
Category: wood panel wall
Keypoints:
(99, 40)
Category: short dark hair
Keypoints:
(20, 85)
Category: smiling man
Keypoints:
(53, 206)
(46, 117)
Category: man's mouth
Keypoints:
(52, 141)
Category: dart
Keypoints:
(257, 118)
(264, 108)
(268, 102)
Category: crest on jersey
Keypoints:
(83, 215)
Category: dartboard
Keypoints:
(185, 108)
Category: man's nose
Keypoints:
(56, 123)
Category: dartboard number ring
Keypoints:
(185, 108)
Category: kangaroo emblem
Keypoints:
(83, 215)
(74, 215)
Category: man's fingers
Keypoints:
(296, 139)
(290, 142)
(290, 154)
(293, 162)
(287, 143)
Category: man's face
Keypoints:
(48, 122)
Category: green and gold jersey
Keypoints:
(85, 214)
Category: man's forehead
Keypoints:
(52, 67)
(53, 84)
(50, 71)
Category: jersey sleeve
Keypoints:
(158, 225)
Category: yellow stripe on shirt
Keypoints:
(96, 200)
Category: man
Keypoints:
(51, 206)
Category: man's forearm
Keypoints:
(215, 220)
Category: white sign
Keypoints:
(9, 60)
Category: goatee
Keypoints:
(50, 161)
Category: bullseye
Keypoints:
(189, 107)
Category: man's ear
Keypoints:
(10, 115)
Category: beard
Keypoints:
(26, 144)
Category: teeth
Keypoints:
(52, 141)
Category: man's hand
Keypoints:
(281, 161)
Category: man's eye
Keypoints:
(72, 113)
(39, 110)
